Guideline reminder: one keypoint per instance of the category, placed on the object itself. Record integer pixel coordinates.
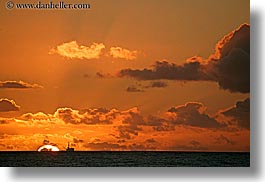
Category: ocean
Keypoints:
(125, 159)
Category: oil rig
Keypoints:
(70, 149)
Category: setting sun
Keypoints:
(48, 148)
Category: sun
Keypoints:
(48, 148)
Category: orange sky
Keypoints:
(59, 69)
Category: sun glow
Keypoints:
(48, 148)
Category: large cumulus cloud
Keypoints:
(229, 66)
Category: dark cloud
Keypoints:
(45, 142)
(195, 143)
(3, 135)
(193, 114)
(96, 140)
(231, 62)
(134, 89)
(134, 117)
(151, 140)
(229, 66)
(164, 127)
(168, 71)
(10, 147)
(88, 116)
(233, 72)
(240, 113)
(76, 140)
(222, 139)
(237, 39)
(158, 84)
(131, 122)
(100, 75)
(121, 141)
(104, 146)
(160, 124)
(103, 75)
(96, 111)
(6, 120)
(86, 76)
(8, 105)
(17, 85)
(128, 131)
(142, 88)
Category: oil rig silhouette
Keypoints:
(69, 149)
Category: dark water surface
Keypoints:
(125, 159)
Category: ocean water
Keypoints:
(125, 159)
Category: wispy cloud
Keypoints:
(72, 50)
(17, 85)
(119, 52)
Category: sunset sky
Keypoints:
(127, 75)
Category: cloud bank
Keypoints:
(182, 127)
